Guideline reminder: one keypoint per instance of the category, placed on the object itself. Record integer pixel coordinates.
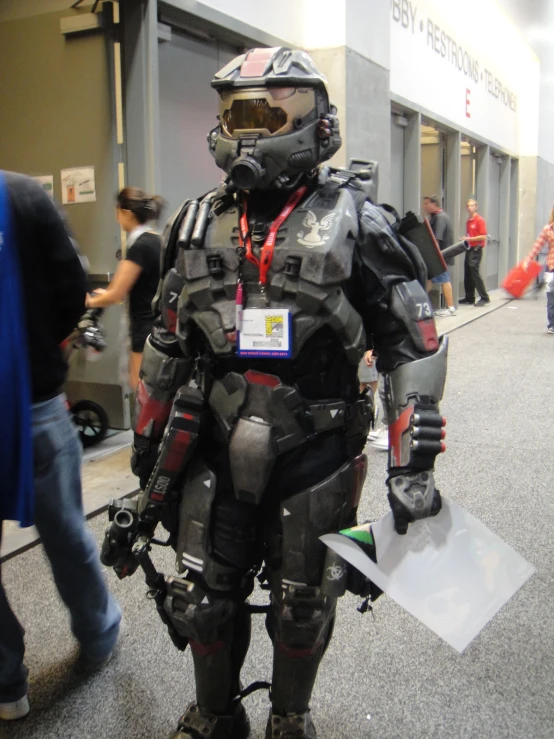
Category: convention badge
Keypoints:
(265, 332)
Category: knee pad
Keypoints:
(300, 621)
(195, 613)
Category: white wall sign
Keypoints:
(78, 185)
(467, 63)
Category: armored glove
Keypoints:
(412, 496)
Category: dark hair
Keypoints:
(434, 199)
(144, 207)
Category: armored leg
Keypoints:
(302, 611)
(218, 632)
(207, 605)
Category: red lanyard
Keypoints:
(264, 263)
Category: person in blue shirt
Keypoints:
(42, 296)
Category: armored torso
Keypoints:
(312, 261)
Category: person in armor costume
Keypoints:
(251, 463)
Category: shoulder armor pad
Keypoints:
(410, 304)
(376, 232)
(168, 252)
(170, 238)
(187, 225)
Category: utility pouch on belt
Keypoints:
(179, 440)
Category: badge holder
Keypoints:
(265, 332)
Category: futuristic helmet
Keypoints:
(275, 120)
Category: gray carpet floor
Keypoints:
(385, 675)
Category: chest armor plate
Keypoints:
(312, 261)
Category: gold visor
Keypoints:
(266, 111)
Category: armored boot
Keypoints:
(290, 726)
(198, 724)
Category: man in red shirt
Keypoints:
(476, 230)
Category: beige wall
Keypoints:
(332, 63)
(56, 113)
(14, 9)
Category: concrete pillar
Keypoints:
(412, 164)
(528, 226)
(360, 90)
(142, 118)
(368, 134)
(332, 63)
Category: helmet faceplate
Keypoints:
(275, 119)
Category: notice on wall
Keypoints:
(46, 181)
(78, 185)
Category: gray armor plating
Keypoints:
(294, 724)
(193, 543)
(193, 613)
(210, 725)
(264, 418)
(312, 259)
(410, 303)
(414, 380)
(162, 376)
(302, 610)
(328, 506)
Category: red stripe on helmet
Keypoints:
(256, 62)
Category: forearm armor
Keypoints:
(416, 436)
(161, 377)
(416, 428)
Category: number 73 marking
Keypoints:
(423, 310)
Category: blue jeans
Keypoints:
(69, 546)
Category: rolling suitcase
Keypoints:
(519, 279)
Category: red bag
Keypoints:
(518, 279)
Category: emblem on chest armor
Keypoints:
(312, 237)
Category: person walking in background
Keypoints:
(367, 372)
(476, 236)
(442, 229)
(369, 377)
(42, 293)
(137, 275)
(546, 238)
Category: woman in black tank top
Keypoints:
(138, 274)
